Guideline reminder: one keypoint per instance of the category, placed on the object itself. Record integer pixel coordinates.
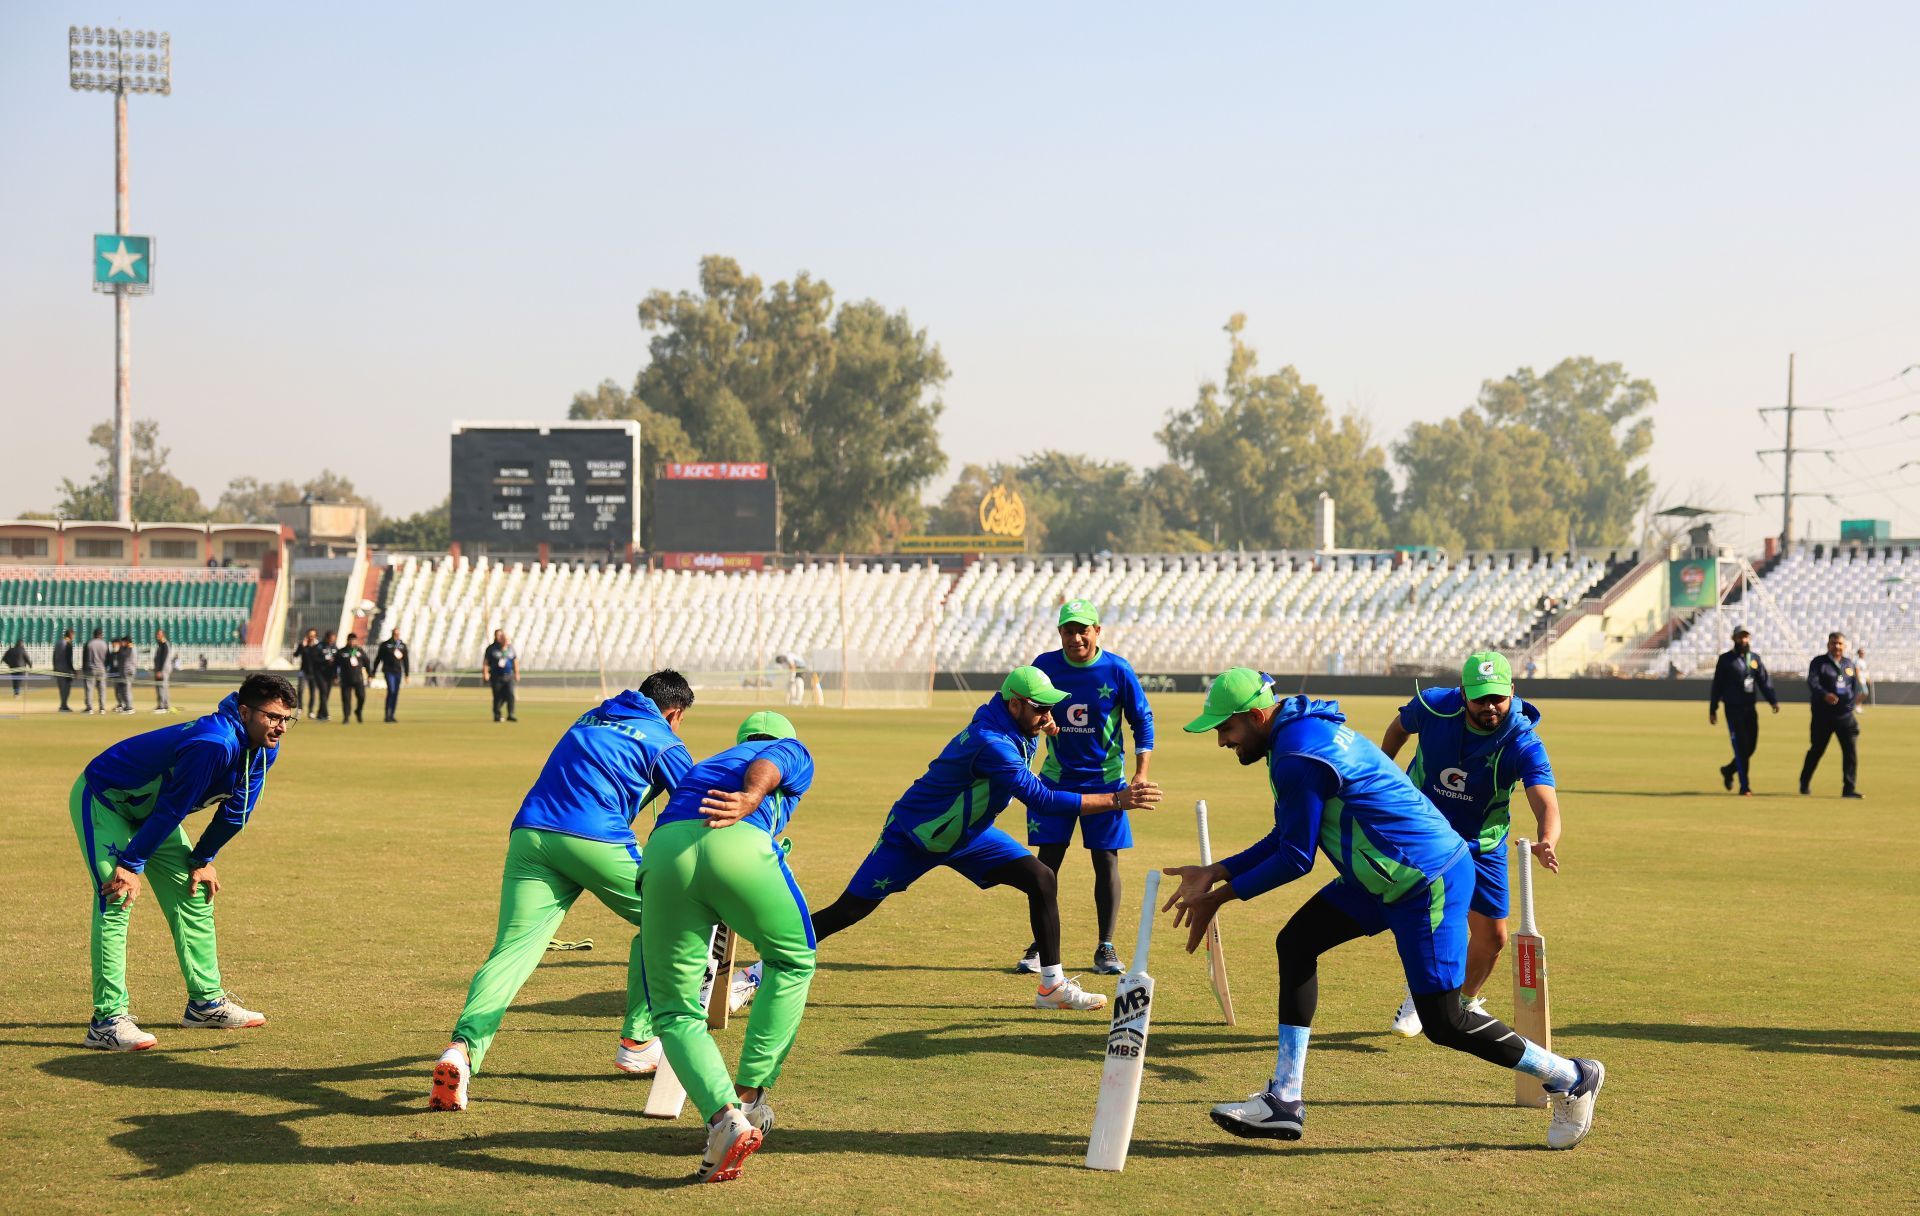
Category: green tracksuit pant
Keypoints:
(545, 873)
(103, 830)
(694, 876)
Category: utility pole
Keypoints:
(1787, 493)
(128, 61)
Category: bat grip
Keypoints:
(1206, 838)
(1148, 906)
(1525, 849)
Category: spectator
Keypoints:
(125, 664)
(324, 660)
(63, 668)
(303, 660)
(501, 667)
(392, 663)
(93, 666)
(162, 673)
(17, 661)
(351, 662)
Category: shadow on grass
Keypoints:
(1863, 1044)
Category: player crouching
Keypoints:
(1400, 867)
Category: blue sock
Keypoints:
(1290, 1063)
(1557, 1073)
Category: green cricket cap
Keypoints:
(765, 722)
(1032, 683)
(1079, 612)
(1486, 673)
(1233, 692)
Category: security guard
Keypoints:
(1739, 681)
(1835, 681)
(351, 662)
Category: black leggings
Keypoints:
(1106, 881)
(1318, 927)
(1026, 875)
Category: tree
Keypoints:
(1475, 484)
(158, 496)
(1591, 414)
(1259, 449)
(248, 500)
(426, 531)
(842, 404)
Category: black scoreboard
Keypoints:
(568, 485)
(716, 508)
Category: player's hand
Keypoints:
(723, 807)
(122, 889)
(1050, 728)
(1193, 903)
(204, 874)
(1832, 699)
(1543, 849)
(1133, 797)
(1713, 717)
(1776, 707)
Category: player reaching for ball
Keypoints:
(946, 819)
(1400, 867)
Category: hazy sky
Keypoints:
(392, 216)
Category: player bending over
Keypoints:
(1400, 867)
(129, 807)
(1476, 741)
(946, 819)
(574, 833)
(714, 858)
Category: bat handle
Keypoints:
(1525, 849)
(1206, 838)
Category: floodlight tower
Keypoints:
(121, 62)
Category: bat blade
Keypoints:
(668, 1097)
(719, 1000)
(1126, 1058)
(1216, 956)
(1532, 1017)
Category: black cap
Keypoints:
(1741, 631)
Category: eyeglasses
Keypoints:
(273, 719)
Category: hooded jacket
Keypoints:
(971, 781)
(1468, 775)
(618, 757)
(159, 778)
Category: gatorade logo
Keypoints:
(1453, 784)
(1076, 715)
(1486, 669)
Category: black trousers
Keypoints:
(353, 698)
(65, 685)
(1743, 731)
(502, 697)
(323, 694)
(1833, 726)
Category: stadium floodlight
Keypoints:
(126, 61)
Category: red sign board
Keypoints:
(712, 561)
(720, 471)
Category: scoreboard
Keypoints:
(716, 508)
(569, 485)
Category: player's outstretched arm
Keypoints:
(1545, 801)
(1141, 794)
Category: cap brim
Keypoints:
(1493, 688)
(1053, 697)
(1204, 723)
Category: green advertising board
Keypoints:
(1693, 582)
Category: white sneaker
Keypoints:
(1406, 1019)
(1263, 1116)
(450, 1074)
(759, 1113)
(1067, 994)
(640, 1059)
(1477, 1005)
(117, 1033)
(745, 986)
(1573, 1110)
(223, 1014)
(730, 1141)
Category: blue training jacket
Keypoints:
(619, 756)
(970, 782)
(159, 778)
(1468, 775)
(728, 771)
(1336, 790)
(1087, 754)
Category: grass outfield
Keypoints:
(1745, 967)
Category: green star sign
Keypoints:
(122, 260)
(1106, 691)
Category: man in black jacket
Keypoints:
(1739, 681)
(17, 661)
(63, 669)
(1835, 683)
(305, 655)
(351, 662)
(325, 654)
(392, 662)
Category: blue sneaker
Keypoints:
(1263, 1116)
(1106, 960)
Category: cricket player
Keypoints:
(946, 819)
(1086, 756)
(714, 857)
(1400, 866)
(1476, 742)
(129, 809)
(574, 833)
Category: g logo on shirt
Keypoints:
(1077, 715)
(1453, 781)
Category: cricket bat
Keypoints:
(1531, 1016)
(719, 1003)
(1126, 1050)
(1216, 957)
(668, 1097)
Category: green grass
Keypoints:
(1744, 966)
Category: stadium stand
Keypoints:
(204, 611)
(1869, 595)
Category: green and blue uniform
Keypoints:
(946, 816)
(1400, 865)
(129, 808)
(1470, 774)
(574, 833)
(1088, 756)
(695, 876)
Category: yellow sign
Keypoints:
(1002, 513)
(961, 544)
